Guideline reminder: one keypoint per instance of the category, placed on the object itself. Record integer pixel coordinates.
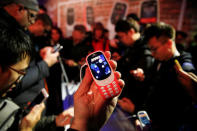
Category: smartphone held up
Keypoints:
(57, 48)
(41, 97)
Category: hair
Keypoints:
(157, 30)
(45, 19)
(58, 30)
(182, 33)
(126, 25)
(42, 7)
(80, 28)
(15, 45)
(98, 26)
(133, 16)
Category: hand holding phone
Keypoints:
(57, 48)
(144, 119)
(103, 74)
(41, 97)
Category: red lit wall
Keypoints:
(169, 11)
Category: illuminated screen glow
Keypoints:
(99, 66)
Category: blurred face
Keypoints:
(39, 29)
(12, 75)
(31, 16)
(77, 36)
(125, 38)
(161, 48)
(55, 35)
(27, 17)
(98, 34)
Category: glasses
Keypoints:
(31, 16)
(22, 73)
(18, 71)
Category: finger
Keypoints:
(124, 99)
(117, 74)
(176, 68)
(131, 71)
(85, 84)
(120, 102)
(121, 83)
(113, 64)
(38, 107)
(138, 125)
(36, 111)
(56, 53)
(178, 64)
(66, 120)
(107, 55)
(193, 76)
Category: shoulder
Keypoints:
(8, 110)
(185, 60)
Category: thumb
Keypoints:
(86, 83)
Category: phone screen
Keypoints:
(144, 118)
(41, 97)
(99, 66)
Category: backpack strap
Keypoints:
(8, 109)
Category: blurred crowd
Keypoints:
(157, 63)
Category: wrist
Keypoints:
(26, 129)
(47, 62)
(80, 125)
(83, 125)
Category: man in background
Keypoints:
(170, 102)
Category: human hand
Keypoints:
(127, 105)
(187, 79)
(91, 110)
(30, 120)
(113, 43)
(65, 117)
(71, 63)
(140, 128)
(183, 77)
(48, 56)
(138, 74)
(82, 61)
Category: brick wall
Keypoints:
(168, 11)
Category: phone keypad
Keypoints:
(110, 90)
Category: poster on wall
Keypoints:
(149, 11)
(70, 21)
(89, 17)
(70, 16)
(119, 11)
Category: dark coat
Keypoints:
(169, 105)
(137, 56)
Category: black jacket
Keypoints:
(169, 105)
(32, 82)
(137, 56)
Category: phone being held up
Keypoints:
(57, 48)
(144, 119)
(41, 97)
